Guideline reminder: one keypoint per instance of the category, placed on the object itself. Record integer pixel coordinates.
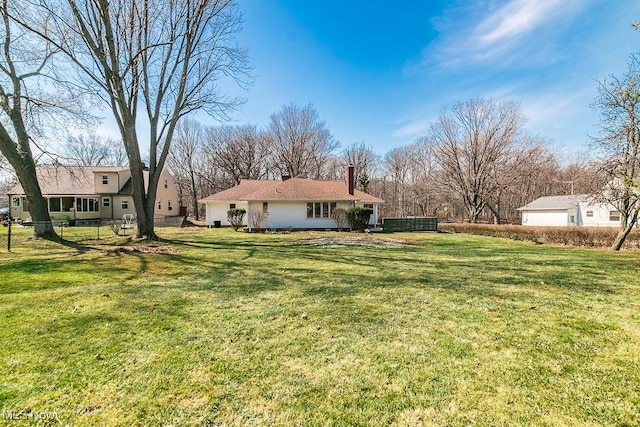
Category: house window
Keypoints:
(87, 205)
(16, 202)
(589, 214)
(106, 202)
(166, 183)
(614, 216)
(368, 206)
(159, 204)
(67, 204)
(124, 204)
(169, 205)
(265, 207)
(572, 219)
(232, 205)
(55, 205)
(105, 179)
(320, 209)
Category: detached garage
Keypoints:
(553, 211)
(566, 211)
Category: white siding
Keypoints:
(280, 214)
(600, 215)
(546, 218)
(294, 215)
(217, 211)
(374, 217)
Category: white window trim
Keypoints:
(80, 208)
(330, 211)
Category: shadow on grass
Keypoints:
(477, 271)
(246, 266)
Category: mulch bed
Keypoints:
(144, 250)
(360, 241)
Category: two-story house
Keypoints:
(91, 192)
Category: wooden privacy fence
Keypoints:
(410, 224)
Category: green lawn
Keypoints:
(254, 329)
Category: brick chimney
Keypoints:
(351, 178)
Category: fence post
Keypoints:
(98, 224)
(9, 237)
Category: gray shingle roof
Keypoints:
(554, 203)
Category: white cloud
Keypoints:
(413, 128)
(515, 19)
(504, 33)
(562, 114)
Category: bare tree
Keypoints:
(184, 162)
(5, 167)
(166, 57)
(422, 171)
(333, 168)
(117, 153)
(365, 162)
(87, 150)
(524, 153)
(240, 152)
(300, 141)
(619, 104)
(397, 167)
(25, 66)
(474, 143)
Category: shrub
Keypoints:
(235, 217)
(258, 217)
(589, 237)
(340, 217)
(359, 218)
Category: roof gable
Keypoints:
(555, 203)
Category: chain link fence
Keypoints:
(13, 235)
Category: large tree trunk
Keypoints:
(495, 211)
(146, 228)
(194, 196)
(22, 162)
(38, 208)
(621, 237)
(625, 228)
(474, 207)
(144, 200)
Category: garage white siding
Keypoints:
(546, 218)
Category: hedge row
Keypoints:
(590, 237)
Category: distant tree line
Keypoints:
(477, 162)
(152, 64)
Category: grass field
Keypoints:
(224, 328)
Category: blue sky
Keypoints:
(380, 71)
